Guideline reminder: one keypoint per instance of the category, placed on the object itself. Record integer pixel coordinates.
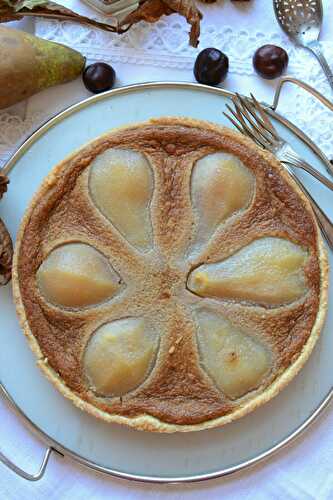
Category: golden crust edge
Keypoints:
(147, 422)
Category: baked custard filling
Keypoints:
(177, 276)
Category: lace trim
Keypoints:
(13, 130)
(165, 44)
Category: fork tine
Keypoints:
(265, 117)
(235, 124)
(254, 120)
(238, 122)
(249, 105)
(239, 116)
(246, 129)
(251, 108)
(260, 136)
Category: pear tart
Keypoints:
(170, 276)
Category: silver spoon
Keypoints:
(302, 20)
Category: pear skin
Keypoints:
(29, 64)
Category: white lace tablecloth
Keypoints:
(161, 52)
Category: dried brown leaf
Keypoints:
(148, 10)
(7, 13)
(4, 181)
(10, 11)
(192, 14)
(6, 254)
(151, 10)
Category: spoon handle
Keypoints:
(317, 51)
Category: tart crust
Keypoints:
(201, 405)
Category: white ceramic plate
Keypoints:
(112, 448)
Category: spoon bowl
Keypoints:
(301, 20)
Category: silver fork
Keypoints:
(250, 118)
(256, 123)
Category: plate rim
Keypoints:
(196, 478)
(55, 445)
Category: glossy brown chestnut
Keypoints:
(270, 61)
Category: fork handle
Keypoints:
(299, 163)
(324, 222)
(317, 51)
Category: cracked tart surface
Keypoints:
(170, 276)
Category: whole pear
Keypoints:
(29, 64)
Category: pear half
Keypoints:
(121, 186)
(119, 355)
(77, 275)
(267, 271)
(236, 362)
(220, 187)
